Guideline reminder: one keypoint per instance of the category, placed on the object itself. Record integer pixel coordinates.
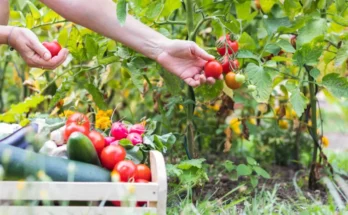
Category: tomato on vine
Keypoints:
(251, 88)
(225, 42)
(240, 78)
(230, 80)
(229, 64)
(213, 69)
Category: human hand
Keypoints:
(186, 60)
(32, 51)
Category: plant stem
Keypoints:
(313, 103)
(47, 24)
(171, 22)
(194, 32)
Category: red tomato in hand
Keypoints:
(213, 69)
(97, 140)
(72, 127)
(143, 172)
(111, 155)
(53, 47)
(79, 119)
(127, 170)
(225, 42)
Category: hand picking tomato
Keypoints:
(143, 172)
(97, 140)
(119, 130)
(127, 170)
(79, 119)
(229, 64)
(53, 47)
(72, 127)
(230, 80)
(225, 42)
(111, 155)
(213, 69)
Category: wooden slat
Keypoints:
(159, 176)
(78, 191)
(46, 210)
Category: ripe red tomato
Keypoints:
(53, 47)
(225, 42)
(111, 155)
(141, 204)
(72, 127)
(79, 119)
(143, 172)
(116, 203)
(257, 4)
(97, 140)
(213, 69)
(229, 64)
(127, 170)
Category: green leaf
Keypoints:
(336, 84)
(34, 11)
(91, 47)
(307, 54)
(246, 42)
(262, 80)
(245, 54)
(173, 170)
(313, 29)
(209, 92)
(298, 101)
(154, 10)
(286, 46)
(75, 44)
(187, 164)
(172, 82)
(272, 48)
(314, 73)
(98, 97)
(291, 8)
(63, 37)
(261, 172)
(272, 24)
(342, 55)
(243, 170)
(266, 5)
(243, 10)
(340, 5)
(251, 161)
(321, 4)
(122, 11)
(170, 6)
(127, 144)
(229, 165)
(135, 154)
(254, 181)
(37, 72)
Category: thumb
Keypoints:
(199, 52)
(41, 50)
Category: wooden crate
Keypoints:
(154, 193)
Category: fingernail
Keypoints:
(47, 56)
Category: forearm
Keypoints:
(4, 12)
(4, 33)
(100, 16)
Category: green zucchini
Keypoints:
(80, 148)
(20, 164)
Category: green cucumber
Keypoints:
(80, 148)
(20, 164)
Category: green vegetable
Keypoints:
(19, 164)
(80, 148)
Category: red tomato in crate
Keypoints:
(79, 119)
(111, 155)
(127, 170)
(72, 127)
(97, 140)
(143, 172)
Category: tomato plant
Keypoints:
(213, 69)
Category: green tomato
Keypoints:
(251, 88)
(240, 78)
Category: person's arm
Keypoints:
(4, 12)
(183, 58)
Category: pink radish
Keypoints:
(137, 128)
(119, 130)
(109, 140)
(135, 138)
